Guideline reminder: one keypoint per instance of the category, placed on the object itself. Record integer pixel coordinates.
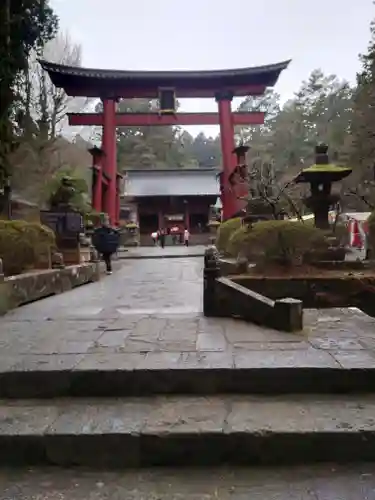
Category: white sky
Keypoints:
(219, 34)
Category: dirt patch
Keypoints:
(274, 271)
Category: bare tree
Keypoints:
(267, 197)
(50, 104)
(41, 119)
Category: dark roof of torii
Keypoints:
(95, 82)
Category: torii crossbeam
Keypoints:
(147, 119)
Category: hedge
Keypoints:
(280, 241)
(225, 231)
(23, 244)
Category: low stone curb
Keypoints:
(188, 431)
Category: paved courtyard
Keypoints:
(149, 313)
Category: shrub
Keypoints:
(22, 244)
(225, 231)
(278, 241)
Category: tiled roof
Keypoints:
(70, 77)
(150, 75)
(140, 183)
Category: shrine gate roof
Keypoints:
(181, 182)
(115, 83)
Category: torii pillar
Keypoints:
(110, 158)
(228, 197)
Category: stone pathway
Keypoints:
(149, 314)
(328, 482)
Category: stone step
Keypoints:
(117, 376)
(319, 482)
(175, 431)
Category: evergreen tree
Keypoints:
(363, 124)
(362, 156)
(24, 25)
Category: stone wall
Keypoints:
(234, 300)
(223, 297)
(317, 291)
(29, 287)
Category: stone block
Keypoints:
(211, 271)
(239, 301)
(233, 299)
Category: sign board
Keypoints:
(175, 217)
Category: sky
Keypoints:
(220, 34)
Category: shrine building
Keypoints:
(157, 199)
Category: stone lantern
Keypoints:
(241, 167)
(320, 176)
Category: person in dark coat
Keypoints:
(106, 241)
(162, 238)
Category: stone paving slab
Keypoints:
(323, 482)
(188, 430)
(168, 252)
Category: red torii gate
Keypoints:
(110, 85)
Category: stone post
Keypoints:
(1, 271)
(288, 314)
(211, 271)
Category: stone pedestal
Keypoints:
(67, 226)
(85, 254)
(71, 256)
(45, 259)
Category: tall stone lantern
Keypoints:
(320, 176)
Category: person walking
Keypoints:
(186, 237)
(154, 237)
(106, 241)
(162, 238)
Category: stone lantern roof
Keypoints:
(323, 171)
